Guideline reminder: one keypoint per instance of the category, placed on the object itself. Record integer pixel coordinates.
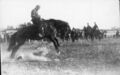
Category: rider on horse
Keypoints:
(95, 26)
(89, 29)
(35, 16)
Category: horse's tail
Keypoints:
(12, 42)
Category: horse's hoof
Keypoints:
(58, 53)
(57, 59)
(19, 58)
(11, 57)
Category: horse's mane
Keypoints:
(57, 20)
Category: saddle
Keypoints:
(36, 21)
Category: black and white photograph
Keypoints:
(60, 37)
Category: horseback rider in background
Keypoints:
(89, 28)
(95, 26)
(36, 18)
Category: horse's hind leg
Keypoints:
(12, 43)
(11, 46)
(15, 49)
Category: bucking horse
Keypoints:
(44, 30)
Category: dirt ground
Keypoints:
(79, 58)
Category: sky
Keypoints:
(76, 12)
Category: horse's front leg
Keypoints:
(55, 44)
(57, 41)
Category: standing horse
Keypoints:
(33, 32)
(97, 34)
(88, 34)
(76, 34)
